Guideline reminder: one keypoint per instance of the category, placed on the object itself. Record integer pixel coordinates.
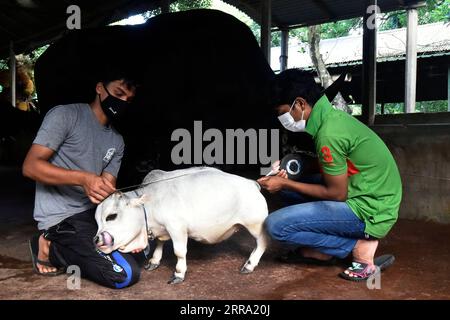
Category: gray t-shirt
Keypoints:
(81, 143)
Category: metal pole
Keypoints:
(12, 68)
(165, 6)
(369, 67)
(411, 61)
(284, 49)
(448, 88)
(266, 24)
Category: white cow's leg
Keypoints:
(262, 241)
(180, 250)
(155, 260)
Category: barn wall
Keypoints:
(422, 152)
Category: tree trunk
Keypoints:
(319, 64)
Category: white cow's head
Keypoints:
(121, 224)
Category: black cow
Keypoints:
(194, 65)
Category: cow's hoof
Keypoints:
(151, 266)
(175, 280)
(245, 268)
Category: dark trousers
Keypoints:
(72, 244)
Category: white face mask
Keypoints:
(289, 122)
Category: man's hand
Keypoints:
(282, 174)
(274, 183)
(37, 167)
(97, 188)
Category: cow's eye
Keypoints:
(111, 217)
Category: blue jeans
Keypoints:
(329, 227)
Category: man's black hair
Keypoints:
(293, 83)
(128, 77)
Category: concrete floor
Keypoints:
(421, 270)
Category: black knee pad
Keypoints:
(127, 265)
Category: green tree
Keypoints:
(433, 11)
(180, 5)
(3, 65)
(183, 5)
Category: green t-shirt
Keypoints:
(345, 145)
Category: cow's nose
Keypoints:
(96, 239)
(107, 238)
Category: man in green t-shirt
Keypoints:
(356, 201)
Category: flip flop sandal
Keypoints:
(34, 249)
(294, 256)
(359, 271)
(384, 261)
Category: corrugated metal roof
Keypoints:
(432, 39)
(32, 23)
(287, 13)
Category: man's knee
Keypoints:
(128, 267)
(274, 225)
(116, 270)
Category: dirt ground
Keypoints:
(421, 270)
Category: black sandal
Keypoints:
(34, 249)
(359, 271)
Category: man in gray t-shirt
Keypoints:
(75, 159)
(80, 142)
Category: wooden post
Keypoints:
(369, 67)
(266, 25)
(12, 68)
(448, 88)
(284, 49)
(411, 61)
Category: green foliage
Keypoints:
(3, 64)
(183, 5)
(30, 57)
(391, 108)
(421, 106)
(434, 11)
(180, 5)
(35, 54)
(432, 106)
(399, 107)
(300, 33)
(256, 30)
(339, 28)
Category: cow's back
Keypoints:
(206, 201)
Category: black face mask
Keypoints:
(113, 107)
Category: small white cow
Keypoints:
(201, 203)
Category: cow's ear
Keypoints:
(117, 195)
(139, 201)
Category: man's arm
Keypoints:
(110, 178)
(335, 188)
(37, 167)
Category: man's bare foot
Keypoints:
(311, 253)
(44, 249)
(363, 265)
(364, 251)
